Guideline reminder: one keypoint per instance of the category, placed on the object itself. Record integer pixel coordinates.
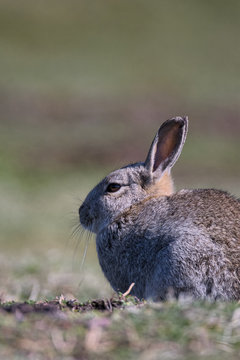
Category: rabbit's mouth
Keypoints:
(87, 224)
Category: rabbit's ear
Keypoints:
(166, 146)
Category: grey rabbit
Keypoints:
(185, 242)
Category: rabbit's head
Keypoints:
(131, 184)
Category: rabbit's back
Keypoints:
(215, 211)
(188, 242)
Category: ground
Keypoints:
(119, 328)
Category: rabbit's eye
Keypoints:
(113, 187)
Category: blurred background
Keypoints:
(84, 86)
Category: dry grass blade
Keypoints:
(129, 290)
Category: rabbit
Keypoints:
(180, 243)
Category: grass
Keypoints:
(173, 330)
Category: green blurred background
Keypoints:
(84, 86)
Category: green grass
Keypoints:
(175, 330)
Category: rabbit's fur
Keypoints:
(186, 242)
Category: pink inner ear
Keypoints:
(169, 138)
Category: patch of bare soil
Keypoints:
(60, 304)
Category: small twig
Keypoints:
(109, 305)
(129, 290)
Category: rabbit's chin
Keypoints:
(89, 226)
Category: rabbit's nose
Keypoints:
(83, 213)
(85, 217)
(80, 209)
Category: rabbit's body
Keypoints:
(189, 253)
(186, 242)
